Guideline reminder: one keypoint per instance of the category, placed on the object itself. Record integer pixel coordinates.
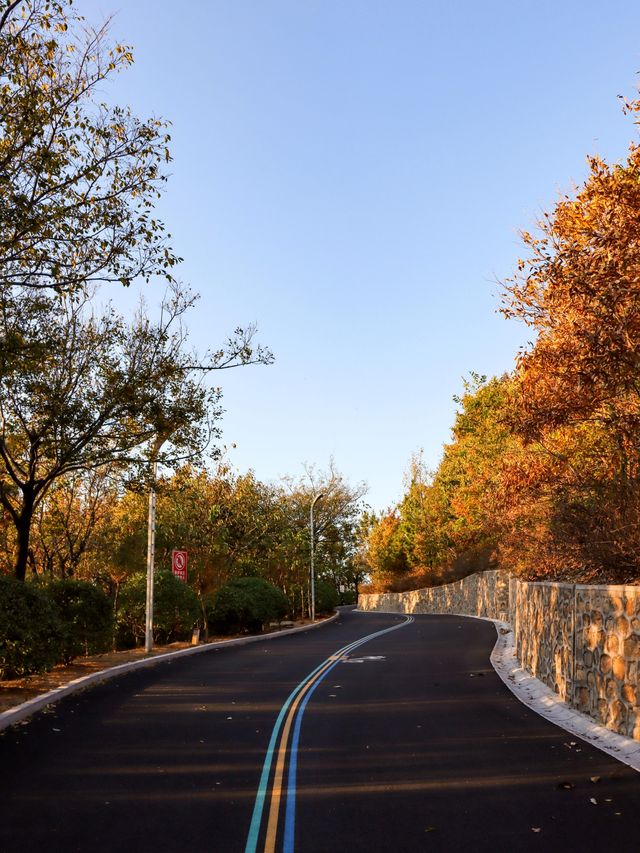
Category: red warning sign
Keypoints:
(179, 564)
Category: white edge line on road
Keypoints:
(32, 706)
(541, 699)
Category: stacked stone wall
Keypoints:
(581, 641)
(483, 594)
(544, 632)
(607, 656)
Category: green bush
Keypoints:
(176, 609)
(327, 597)
(246, 604)
(30, 629)
(348, 597)
(86, 616)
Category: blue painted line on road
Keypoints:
(258, 809)
(290, 815)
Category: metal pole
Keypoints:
(151, 547)
(313, 577)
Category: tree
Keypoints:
(336, 519)
(386, 555)
(424, 513)
(91, 391)
(176, 609)
(78, 178)
(578, 385)
(469, 472)
(247, 604)
(66, 521)
(580, 291)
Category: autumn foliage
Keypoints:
(543, 471)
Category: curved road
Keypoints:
(407, 741)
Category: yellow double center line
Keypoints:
(287, 716)
(276, 785)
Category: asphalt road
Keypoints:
(408, 742)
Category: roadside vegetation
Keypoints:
(542, 473)
(93, 402)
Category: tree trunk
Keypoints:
(115, 614)
(23, 527)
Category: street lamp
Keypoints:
(151, 542)
(313, 578)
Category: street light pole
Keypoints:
(151, 547)
(151, 544)
(313, 577)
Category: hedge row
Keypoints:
(43, 626)
(246, 604)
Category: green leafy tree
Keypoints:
(78, 178)
(66, 521)
(336, 521)
(247, 604)
(176, 609)
(88, 392)
(386, 554)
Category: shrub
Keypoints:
(30, 629)
(327, 597)
(246, 604)
(86, 616)
(176, 609)
(348, 597)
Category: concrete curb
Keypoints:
(32, 706)
(541, 699)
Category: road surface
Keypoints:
(377, 732)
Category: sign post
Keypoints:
(179, 564)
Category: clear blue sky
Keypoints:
(352, 175)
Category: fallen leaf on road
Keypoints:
(594, 801)
(536, 829)
(595, 779)
(566, 786)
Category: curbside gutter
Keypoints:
(32, 706)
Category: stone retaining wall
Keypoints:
(581, 641)
(482, 594)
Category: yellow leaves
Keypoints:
(124, 53)
(119, 130)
